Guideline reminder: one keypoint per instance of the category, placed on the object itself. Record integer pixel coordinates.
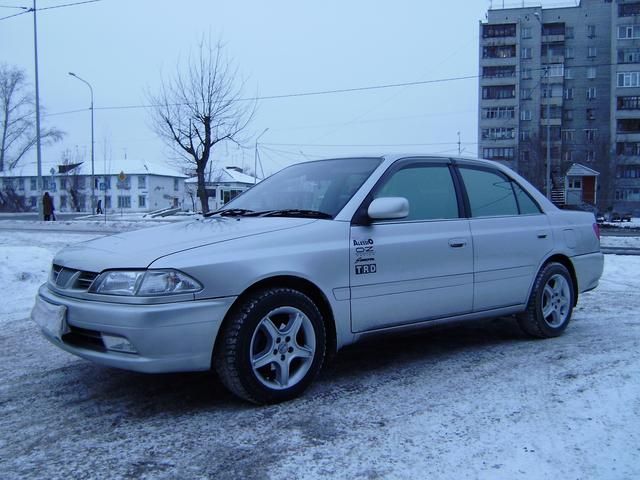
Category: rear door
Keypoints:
(417, 268)
(511, 236)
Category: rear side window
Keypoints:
(525, 202)
(429, 189)
(489, 194)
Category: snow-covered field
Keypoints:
(472, 401)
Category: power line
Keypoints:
(329, 145)
(68, 5)
(29, 10)
(319, 92)
(12, 6)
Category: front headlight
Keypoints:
(144, 283)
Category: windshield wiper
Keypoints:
(296, 212)
(231, 212)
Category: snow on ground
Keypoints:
(626, 242)
(473, 401)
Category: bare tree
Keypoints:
(199, 107)
(17, 118)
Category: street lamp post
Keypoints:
(93, 181)
(255, 158)
(547, 178)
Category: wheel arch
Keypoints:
(566, 262)
(302, 285)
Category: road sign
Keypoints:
(122, 177)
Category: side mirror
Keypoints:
(388, 208)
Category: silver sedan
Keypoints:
(314, 258)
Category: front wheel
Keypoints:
(551, 303)
(272, 347)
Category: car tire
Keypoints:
(271, 347)
(551, 303)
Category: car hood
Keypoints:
(140, 248)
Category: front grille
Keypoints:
(84, 338)
(70, 278)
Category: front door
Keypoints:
(417, 268)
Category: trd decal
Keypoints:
(365, 269)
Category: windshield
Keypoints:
(323, 187)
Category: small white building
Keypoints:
(222, 185)
(128, 185)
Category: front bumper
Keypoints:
(168, 337)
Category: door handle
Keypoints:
(457, 242)
(542, 235)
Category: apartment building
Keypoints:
(559, 98)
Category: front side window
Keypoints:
(490, 194)
(429, 189)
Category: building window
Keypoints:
(499, 30)
(525, 53)
(553, 29)
(107, 202)
(498, 112)
(590, 135)
(568, 136)
(569, 52)
(63, 201)
(142, 182)
(525, 155)
(590, 156)
(629, 103)
(591, 31)
(21, 184)
(176, 184)
(568, 93)
(525, 73)
(629, 55)
(568, 32)
(525, 135)
(591, 113)
(567, 114)
(525, 32)
(568, 73)
(33, 184)
(498, 133)
(33, 201)
(142, 201)
(575, 183)
(502, 51)
(628, 9)
(124, 201)
(628, 125)
(505, 153)
(556, 70)
(628, 79)
(592, 52)
(591, 93)
(552, 91)
(628, 148)
(628, 31)
(525, 115)
(567, 156)
(628, 171)
(591, 73)
(499, 92)
(525, 94)
(499, 72)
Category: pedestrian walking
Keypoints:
(99, 207)
(48, 208)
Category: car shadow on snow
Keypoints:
(144, 395)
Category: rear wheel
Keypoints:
(272, 347)
(551, 303)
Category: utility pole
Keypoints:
(38, 143)
(459, 145)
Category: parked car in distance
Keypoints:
(625, 217)
(600, 218)
(316, 257)
(615, 217)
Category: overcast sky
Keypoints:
(122, 47)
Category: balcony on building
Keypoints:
(500, 34)
(553, 33)
(631, 9)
